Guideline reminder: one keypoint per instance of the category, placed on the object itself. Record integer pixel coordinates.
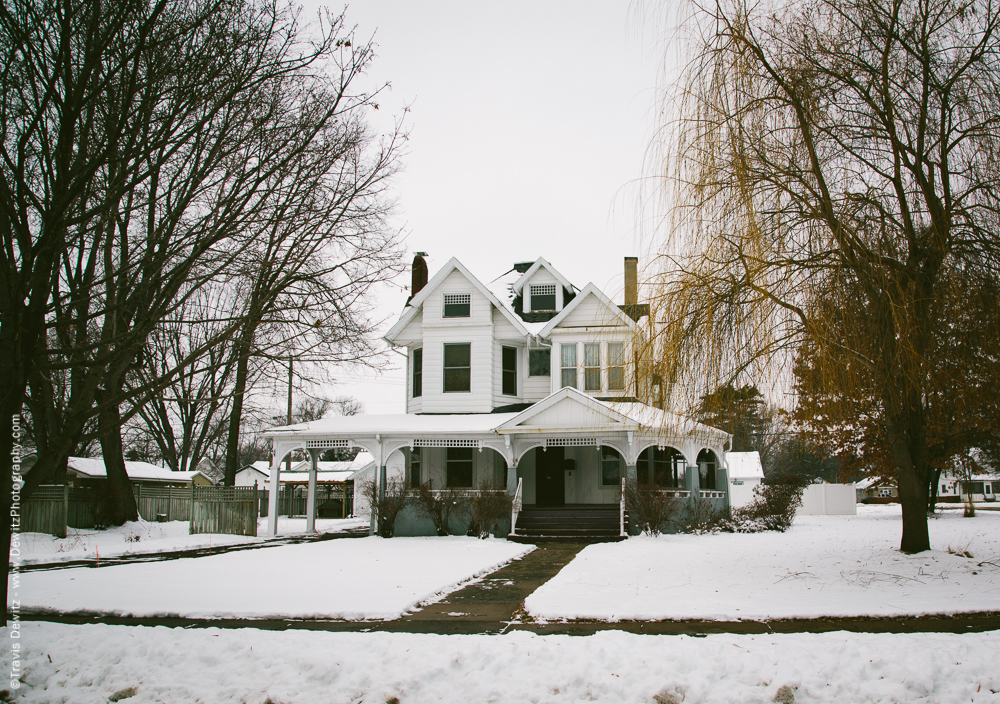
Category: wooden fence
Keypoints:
(170, 503)
(52, 508)
(332, 501)
(224, 509)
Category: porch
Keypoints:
(568, 451)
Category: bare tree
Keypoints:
(151, 149)
(835, 153)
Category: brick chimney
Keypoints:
(418, 273)
(632, 307)
(631, 281)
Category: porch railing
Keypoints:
(515, 506)
(621, 512)
(712, 494)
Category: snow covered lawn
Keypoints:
(823, 566)
(362, 578)
(143, 537)
(87, 664)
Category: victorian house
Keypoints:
(530, 384)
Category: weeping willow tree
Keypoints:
(834, 173)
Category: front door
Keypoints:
(550, 480)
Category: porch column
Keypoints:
(272, 497)
(631, 473)
(691, 482)
(311, 496)
(512, 480)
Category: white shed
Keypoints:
(745, 473)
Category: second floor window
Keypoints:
(418, 373)
(539, 362)
(509, 361)
(458, 367)
(568, 355)
(592, 366)
(616, 366)
(543, 297)
(457, 305)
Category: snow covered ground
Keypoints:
(363, 578)
(823, 566)
(143, 537)
(88, 664)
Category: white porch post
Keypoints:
(274, 482)
(512, 480)
(631, 473)
(311, 497)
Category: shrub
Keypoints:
(772, 508)
(702, 516)
(388, 507)
(439, 506)
(486, 508)
(649, 508)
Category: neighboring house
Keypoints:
(875, 488)
(957, 487)
(88, 472)
(529, 385)
(745, 474)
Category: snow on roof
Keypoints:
(502, 289)
(652, 417)
(395, 424)
(744, 465)
(144, 471)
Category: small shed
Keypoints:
(745, 474)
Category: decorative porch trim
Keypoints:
(327, 444)
(570, 442)
(447, 442)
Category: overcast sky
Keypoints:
(528, 124)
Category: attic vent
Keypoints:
(457, 305)
(543, 297)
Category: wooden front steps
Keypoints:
(598, 524)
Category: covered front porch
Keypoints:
(566, 451)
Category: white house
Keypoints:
(528, 384)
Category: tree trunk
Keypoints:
(911, 480)
(117, 503)
(935, 481)
(236, 416)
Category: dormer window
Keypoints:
(457, 305)
(543, 297)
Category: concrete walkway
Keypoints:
(495, 604)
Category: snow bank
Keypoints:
(87, 664)
(143, 538)
(363, 578)
(823, 566)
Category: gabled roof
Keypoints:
(568, 409)
(540, 263)
(416, 303)
(589, 289)
(744, 465)
(94, 468)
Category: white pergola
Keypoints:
(565, 418)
